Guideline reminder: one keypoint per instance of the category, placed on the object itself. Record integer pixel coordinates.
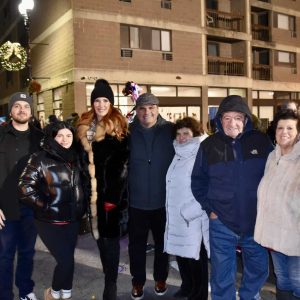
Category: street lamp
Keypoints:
(24, 8)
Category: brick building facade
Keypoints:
(190, 53)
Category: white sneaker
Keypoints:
(30, 296)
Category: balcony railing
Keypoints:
(260, 32)
(226, 66)
(261, 72)
(223, 20)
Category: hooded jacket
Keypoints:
(227, 171)
(57, 190)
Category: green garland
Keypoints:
(10, 50)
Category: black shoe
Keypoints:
(150, 248)
(137, 292)
(181, 294)
(160, 288)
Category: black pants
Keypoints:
(61, 242)
(140, 223)
(194, 275)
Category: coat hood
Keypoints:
(237, 104)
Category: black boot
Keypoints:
(110, 254)
(283, 295)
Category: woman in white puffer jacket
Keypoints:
(186, 233)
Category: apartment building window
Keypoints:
(145, 38)
(165, 40)
(212, 49)
(212, 4)
(287, 58)
(287, 23)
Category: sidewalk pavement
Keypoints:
(89, 279)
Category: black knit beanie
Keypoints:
(20, 96)
(102, 89)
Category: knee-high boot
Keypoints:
(110, 255)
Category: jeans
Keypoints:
(140, 222)
(61, 242)
(17, 236)
(287, 271)
(223, 243)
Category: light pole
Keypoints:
(24, 8)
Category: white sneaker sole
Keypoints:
(137, 298)
(160, 294)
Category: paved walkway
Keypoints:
(89, 279)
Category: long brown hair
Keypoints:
(114, 115)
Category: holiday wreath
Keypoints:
(13, 56)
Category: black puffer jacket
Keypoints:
(57, 190)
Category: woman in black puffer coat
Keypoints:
(56, 185)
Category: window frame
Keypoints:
(140, 30)
(291, 26)
(217, 47)
(292, 59)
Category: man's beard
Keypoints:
(21, 120)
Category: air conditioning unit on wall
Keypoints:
(126, 53)
(167, 56)
(166, 4)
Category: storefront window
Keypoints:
(266, 95)
(217, 93)
(187, 91)
(266, 112)
(240, 92)
(163, 91)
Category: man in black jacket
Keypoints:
(18, 139)
(151, 152)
